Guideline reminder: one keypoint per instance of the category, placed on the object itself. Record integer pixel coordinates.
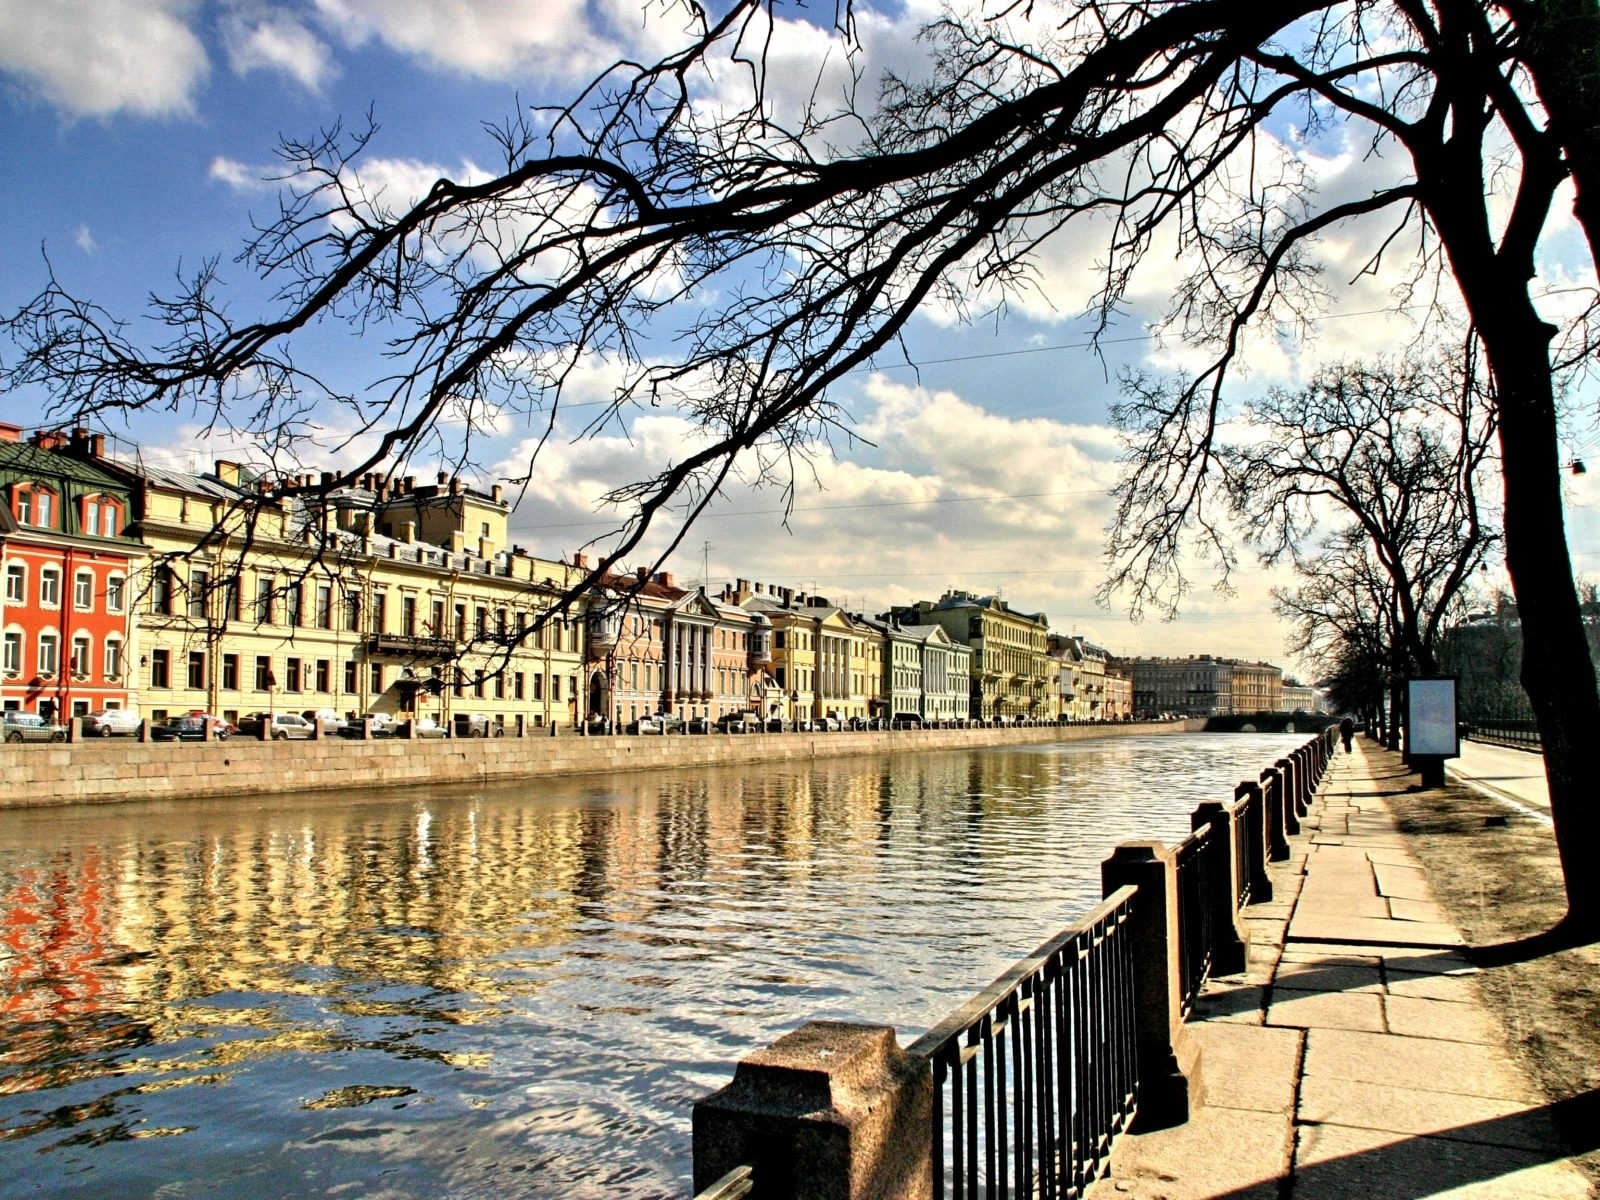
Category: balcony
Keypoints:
(399, 645)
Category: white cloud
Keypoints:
(84, 239)
(490, 38)
(258, 41)
(99, 57)
(239, 176)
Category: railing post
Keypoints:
(1293, 809)
(1169, 1063)
(1248, 796)
(1276, 784)
(1278, 829)
(1230, 940)
(832, 1111)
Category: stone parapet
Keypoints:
(102, 771)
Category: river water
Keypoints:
(517, 991)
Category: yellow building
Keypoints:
(1012, 671)
(276, 594)
(821, 657)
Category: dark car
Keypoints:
(186, 728)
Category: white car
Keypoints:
(326, 719)
(112, 722)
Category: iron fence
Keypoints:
(1197, 858)
(1506, 732)
(1036, 1076)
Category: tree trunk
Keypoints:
(1556, 668)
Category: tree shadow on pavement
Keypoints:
(1561, 936)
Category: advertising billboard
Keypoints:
(1431, 718)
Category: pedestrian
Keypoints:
(1347, 731)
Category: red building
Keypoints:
(66, 604)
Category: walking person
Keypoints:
(1347, 731)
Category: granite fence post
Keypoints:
(1280, 818)
(832, 1111)
(1248, 796)
(1230, 940)
(1169, 1062)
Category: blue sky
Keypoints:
(134, 133)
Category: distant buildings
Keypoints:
(229, 592)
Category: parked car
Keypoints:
(30, 727)
(907, 720)
(112, 722)
(699, 724)
(645, 725)
(427, 727)
(221, 729)
(383, 725)
(778, 725)
(736, 723)
(595, 725)
(670, 722)
(326, 719)
(186, 728)
(475, 725)
(278, 725)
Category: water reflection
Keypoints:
(518, 991)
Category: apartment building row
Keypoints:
(128, 585)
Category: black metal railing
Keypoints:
(1505, 732)
(1247, 834)
(1035, 1077)
(1198, 858)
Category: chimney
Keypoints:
(455, 486)
(227, 472)
(407, 531)
(580, 560)
(327, 479)
(51, 439)
(443, 478)
(642, 574)
(497, 494)
(10, 432)
(410, 482)
(664, 578)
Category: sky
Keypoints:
(136, 135)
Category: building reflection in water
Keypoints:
(516, 991)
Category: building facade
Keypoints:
(1010, 672)
(69, 565)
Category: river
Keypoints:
(516, 991)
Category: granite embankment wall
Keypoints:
(119, 770)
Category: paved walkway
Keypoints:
(1354, 1059)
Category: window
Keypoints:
(500, 686)
(438, 618)
(408, 616)
(502, 620)
(35, 506)
(538, 686)
(350, 675)
(380, 612)
(91, 517)
(778, 639)
(230, 672)
(80, 655)
(199, 585)
(197, 669)
(324, 675)
(458, 683)
(291, 675)
(232, 609)
(555, 687)
(16, 583)
(292, 598)
(352, 611)
(461, 622)
(113, 659)
(11, 654)
(50, 587)
(264, 600)
(518, 685)
(160, 668)
(477, 683)
(480, 622)
(264, 677)
(324, 609)
(161, 590)
(377, 679)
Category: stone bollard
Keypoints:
(1278, 796)
(1259, 845)
(833, 1110)
(75, 729)
(1169, 1062)
(1277, 815)
(1293, 808)
(1230, 940)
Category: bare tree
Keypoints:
(771, 258)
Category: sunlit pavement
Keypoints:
(1354, 1060)
(1508, 774)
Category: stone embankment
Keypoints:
(119, 770)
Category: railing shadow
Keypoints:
(1422, 1165)
(1563, 935)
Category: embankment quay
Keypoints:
(520, 989)
(99, 771)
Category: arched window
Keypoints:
(11, 651)
(16, 583)
(113, 658)
(34, 504)
(80, 656)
